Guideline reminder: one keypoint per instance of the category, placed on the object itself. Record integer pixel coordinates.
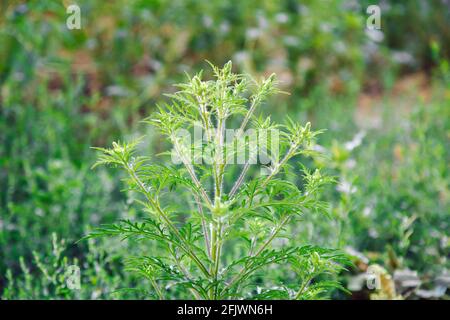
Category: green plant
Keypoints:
(51, 274)
(212, 246)
(51, 282)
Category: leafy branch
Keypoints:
(200, 244)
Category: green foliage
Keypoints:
(391, 203)
(62, 91)
(410, 178)
(48, 275)
(414, 41)
(251, 216)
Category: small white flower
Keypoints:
(355, 142)
(403, 57)
(281, 17)
(253, 33)
(207, 21)
(224, 27)
(375, 35)
(346, 187)
(367, 211)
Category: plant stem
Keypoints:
(288, 155)
(261, 249)
(247, 118)
(275, 170)
(219, 159)
(217, 260)
(272, 236)
(216, 241)
(185, 273)
(205, 119)
(157, 289)
(214, 257)
(240, 179)
(280, 164)
(204, 227)
(155, 205)
(236, 137)
(302, 288)
(191, 172)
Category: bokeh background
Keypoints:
(383, 96)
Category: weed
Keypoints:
(251, 216)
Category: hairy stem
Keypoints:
(258, 252)
(194, 292)
(218, 168)
(274, 171)
(279, 165)
(302, 288)
(217, 260)
(247, 117)
(191, 172)
(236, 137)
(157, 289)
(204, 227)
(185, 246)
(239, 181)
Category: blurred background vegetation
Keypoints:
(382, 95)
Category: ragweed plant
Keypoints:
(219, 230)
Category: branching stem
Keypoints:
(258, 252)
(157, 208)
